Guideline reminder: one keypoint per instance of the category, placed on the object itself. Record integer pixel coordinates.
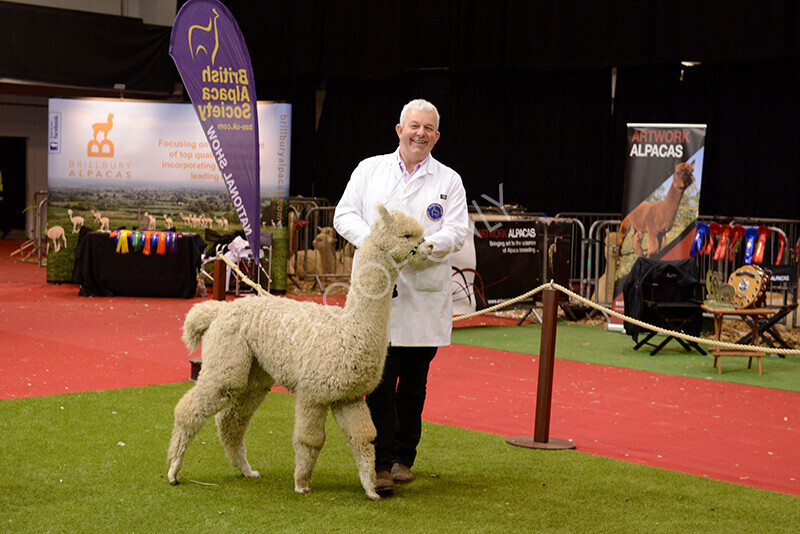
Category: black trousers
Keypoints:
(396, 405)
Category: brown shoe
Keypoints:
(401, 474)
(384, 483)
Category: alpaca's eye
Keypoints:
(407, 236)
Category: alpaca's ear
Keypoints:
(384, 217)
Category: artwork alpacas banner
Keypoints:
(663, 174)
(212, 59)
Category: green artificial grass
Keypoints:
(594, 344)
(96, 462)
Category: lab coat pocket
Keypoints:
(431, 276)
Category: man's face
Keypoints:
(417, 136)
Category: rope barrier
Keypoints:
(572, 294)
(664, 331)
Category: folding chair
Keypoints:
(666, 294)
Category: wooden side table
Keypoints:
(719, 314)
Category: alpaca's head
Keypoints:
(399, 236)
(325, 240)
(683, 177)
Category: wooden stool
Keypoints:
(719, 314)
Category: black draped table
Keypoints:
(103, 272)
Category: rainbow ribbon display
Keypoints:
(146, 242)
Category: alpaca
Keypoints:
(77, 222)
(222, 222)
(56, 234)
(656, 218)
(103, 127)
(103, 221)
(320, 260)
(330, 357)
(150, 221)
(168, 221)
(186, 220)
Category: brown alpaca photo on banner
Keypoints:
(655, 219)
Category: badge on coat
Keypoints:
(435, 211)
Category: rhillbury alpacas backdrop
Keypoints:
(148, 166)
(330, 357)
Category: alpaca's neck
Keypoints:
(372, 284)
(674, 196)
(328, 259)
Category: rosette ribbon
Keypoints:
(700, 234)
(750, 237)
(761, 244)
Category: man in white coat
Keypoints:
(412, 181)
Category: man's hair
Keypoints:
(419, 104)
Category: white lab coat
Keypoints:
(422, 311)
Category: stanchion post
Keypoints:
(218, 290)
(547, 351)
(544, 393)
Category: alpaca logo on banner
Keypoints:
(204, 37)
(104, 148)
(223, 94)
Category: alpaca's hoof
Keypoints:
(252, 474)
(172, 476)
(304, 489)
(374, 496)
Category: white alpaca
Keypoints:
(330, 357)
(222, 222)
(186, 220)
(56, 234)
(103, 221)
(150, 221)
(320, 260)
(168, 220)
(77, 222)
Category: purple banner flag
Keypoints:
(212, 59)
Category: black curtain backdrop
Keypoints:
(75, 48)
(524, 88)
(540, 135)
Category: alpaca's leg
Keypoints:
(355, 421)
(636, 242)
(224, 376)
(232, 422)
(309, 436)
(653, 243)
(191, 413)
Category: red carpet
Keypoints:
(53, 341)
(730, 432)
